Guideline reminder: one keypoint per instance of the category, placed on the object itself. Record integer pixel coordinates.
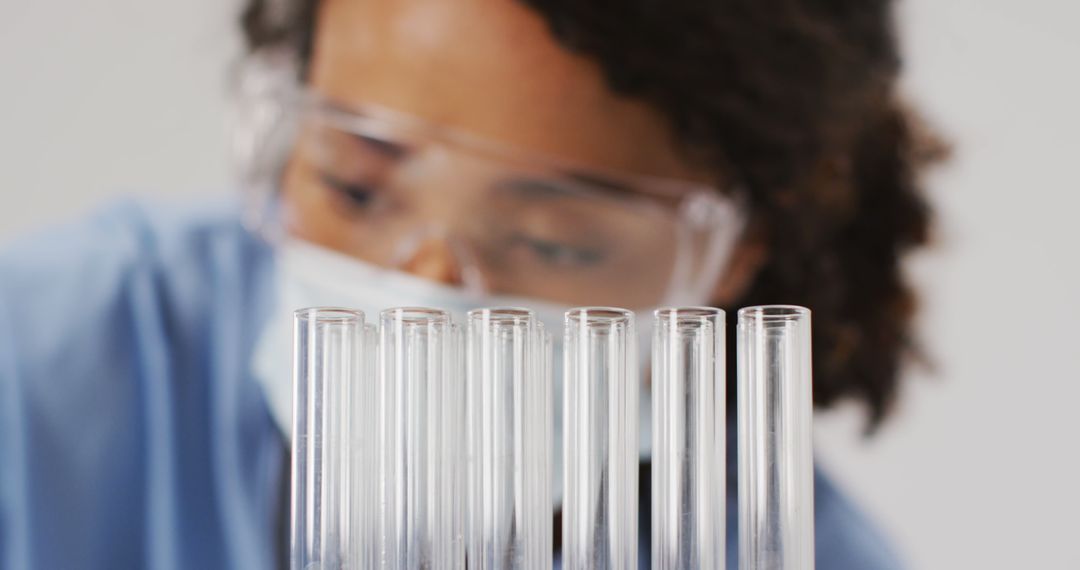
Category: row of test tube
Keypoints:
(422, 444)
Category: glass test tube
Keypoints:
(421, 432)
(776, 472)
(600, 409)
(688, 475)
(362, 461)
(510, 433)
(327, 361)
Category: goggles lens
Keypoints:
(389, 190)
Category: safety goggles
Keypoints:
(396, 191)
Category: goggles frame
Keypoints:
(271, 106)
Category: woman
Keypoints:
(453, 154)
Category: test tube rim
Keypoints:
(689, 314)
(329, 314)
(502, 315)
(773, 313)
(605, 316)
(416, 315)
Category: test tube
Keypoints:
(421, 423)
(327, 361)
(510, 432)
(361, 417)
(600, 409)
(688, 475)
(776, 473)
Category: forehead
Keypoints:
(490, 67)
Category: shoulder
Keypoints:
(845, 536)
(80, 297)
(114, 336)
(92, 254)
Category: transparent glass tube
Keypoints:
(327, 361)
(421, 425)
(776, 472)
(362, 461)
(688, 475)
(600, 410)
(510, 432)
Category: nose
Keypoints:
(434, 259)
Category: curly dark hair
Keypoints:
(796, 101)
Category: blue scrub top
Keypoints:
(132, 431)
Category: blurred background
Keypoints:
(980, 468)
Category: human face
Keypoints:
(489, 68)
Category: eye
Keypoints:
(356, 196)
(561, 254)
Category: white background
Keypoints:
(981, 466)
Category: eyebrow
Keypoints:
(599, 181)
(385, 147)
(551, 188)
(615, 186)
(537, 188)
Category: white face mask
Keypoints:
(311, 276)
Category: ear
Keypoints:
(748, 257)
